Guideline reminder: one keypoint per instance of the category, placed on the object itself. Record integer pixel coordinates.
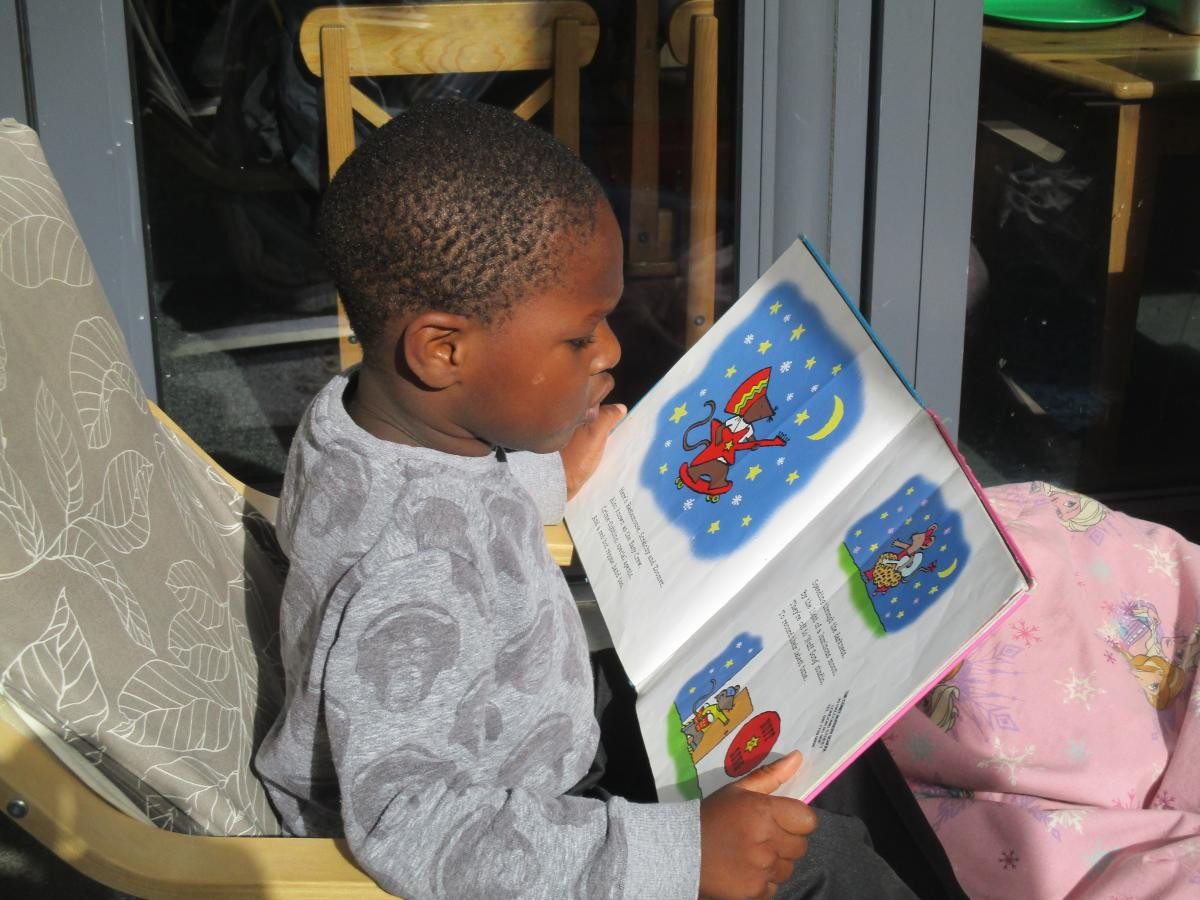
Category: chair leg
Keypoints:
(339, 129)
(702, 252)
(566, 83)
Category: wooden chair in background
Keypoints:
(340, 43)
(692, 40)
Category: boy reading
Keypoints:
(439, 708)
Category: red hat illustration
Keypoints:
(748, 391)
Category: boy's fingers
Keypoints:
(793, 816)
(767, 779)
(610, 414)
(790, 846)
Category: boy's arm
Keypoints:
(418, 697)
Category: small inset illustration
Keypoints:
(725, 455)
(904, 554)
(712, 705)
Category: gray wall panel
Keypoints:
(80, 69)
(12, 77)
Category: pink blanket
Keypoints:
(1062, 757)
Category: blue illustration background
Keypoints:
(717, 673)
(810, 367)
(911, 509)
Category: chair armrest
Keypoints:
(108, 846)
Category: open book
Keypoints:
(786, 548)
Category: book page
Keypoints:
(755, 430)
(848, 626)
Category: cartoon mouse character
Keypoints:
(708, 714)
(708, 472)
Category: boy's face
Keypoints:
(545, 365)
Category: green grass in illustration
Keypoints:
(860, 598)
(677, 748)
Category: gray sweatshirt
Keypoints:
(439, 697)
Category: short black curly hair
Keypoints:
(450, 206)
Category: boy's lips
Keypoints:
(607, 382)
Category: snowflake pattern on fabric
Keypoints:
(1081, 689)
(1012, 760)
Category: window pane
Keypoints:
(233, 164)
(1082, 352)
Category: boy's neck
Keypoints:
(402, 414)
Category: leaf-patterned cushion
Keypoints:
(139, 594)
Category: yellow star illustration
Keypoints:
(802, 417)
(746, 521)
(691, 690)
(909, 491)
(917, 586)
(836, 368)
(796, 332)
(680, 412)
(792, 476)
(895, 599)
(662, 470)
(753, 472)
(751, 744)
(775, 307)
(900, 615)
(908, 521)
(729, 663)
(764, 346)
(731, 371)
(934, 589)
(810, 362)
(942, 549)
(926, 517)
(873, 548)
(858, 532)
(884, 514)
(714, 527)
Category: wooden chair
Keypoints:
(340, 43)
(692, 40)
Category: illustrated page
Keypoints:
(851, 623)
(760, 426)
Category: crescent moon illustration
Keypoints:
(839, 409)
(949, 570)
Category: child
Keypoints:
(439, 697)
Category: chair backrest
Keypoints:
(138, 589)
(692, 40)
(340, 43)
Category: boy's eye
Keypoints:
(580, 343)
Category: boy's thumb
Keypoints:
(611, 414)
(767, 779)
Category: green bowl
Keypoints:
(1062, 14)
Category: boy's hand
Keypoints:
(749, 839)
(582, 453)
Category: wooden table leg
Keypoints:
(1138, 150)
(649, 226)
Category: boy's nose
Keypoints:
(608, 349)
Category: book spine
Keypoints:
(816, 254)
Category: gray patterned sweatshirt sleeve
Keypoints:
(542, 475)
(467, 798)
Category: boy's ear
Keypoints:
(433, 347)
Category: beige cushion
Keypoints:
(138, 592)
